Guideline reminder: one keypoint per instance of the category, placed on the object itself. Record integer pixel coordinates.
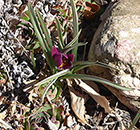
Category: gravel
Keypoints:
(13, 59)
(10, 48)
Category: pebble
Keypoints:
(1, 3)
(10, 36)
(3, 30)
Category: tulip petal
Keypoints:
(62, 60)
(58, 59)
(71, 57)
(54, 51)
(67, 66)
(65, 55)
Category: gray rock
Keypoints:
(117, 43)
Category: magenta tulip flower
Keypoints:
(62, 60)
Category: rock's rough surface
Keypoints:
(117, 43)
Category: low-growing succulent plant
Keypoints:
(53, 92)
(43, 116)
(3, 78)
(27, 36)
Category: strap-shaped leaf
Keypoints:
(59, 31)
(66, 50)
(45, 30)
(75, 27)
(74, 40)
(36, 26)
(96, 79)
(47, 87)
(54, 76)
(78, 65)
(39, 33)
(135, 120)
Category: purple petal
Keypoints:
(58, 59)
(71, 57)
(54, 51)
(68, 65)
(65, 55)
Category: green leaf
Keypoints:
(46, 89)
(58, 89)
(59, 31)
(26, 13)
(25, 16)
(45, 30)
(38, 111)
(3, 76)
(32, 58)
(37, 28)
(39, 34)
(78, 65)
(66, 50)
(96, 79)
(75, 27)
(28, 125)
(54, 76)
(74, 40)
(37, 45)
(59, 112)
(135, 120)
(25, 25)
(62, 11)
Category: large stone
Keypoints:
(117, 43)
